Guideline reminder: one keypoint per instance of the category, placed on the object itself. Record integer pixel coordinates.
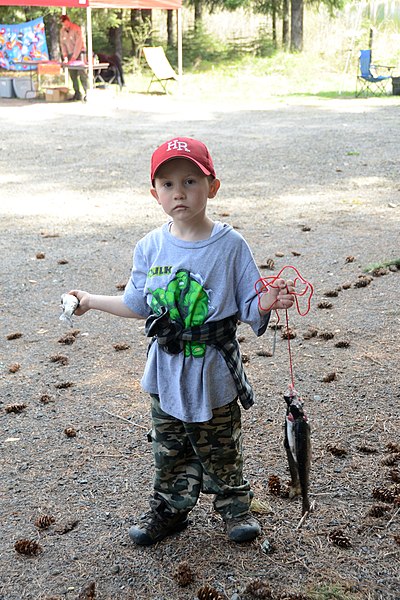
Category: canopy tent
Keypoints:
(89, 4)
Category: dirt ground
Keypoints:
(312, 183)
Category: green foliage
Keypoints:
(142, 32)
(331, 5)
(20, 14)
(213, 5)
(234, 4)
(331, 591)
(202, 51)
(381, 265)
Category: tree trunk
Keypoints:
(53, 36)
(170, 28)
(135, 20)
(274, 36)
(115, 37)
(198, 14)
(285, 24)
(296, 26)
(118, 39)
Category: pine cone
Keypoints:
(121, 346)
(363, 281)
(346, 285)
(342, 344)
(70, 432)
(270, 264)
(393, 447)
(45, 399)
(67, 339)
(329, 377)
(14, 367)
(310, 333)
(391, 460)
(259, 589)
(324, 304)
(267, 353)
(44, 521)
(331, 293)
(386, 494)
(274, 485)
(60, 358)
(379, 271)
(336, 450)
(88, 592)
(349, 259)
(14, 336)
(378, 510)
(183, 574)
(208, 593)
(326, 335)
(339, 538)
(27, 547)
(366, 449)
(15, 408)
(288, 333)
(64, 385)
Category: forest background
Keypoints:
(302, 47)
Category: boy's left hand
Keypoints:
(278, 297)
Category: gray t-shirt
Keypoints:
(197, 282)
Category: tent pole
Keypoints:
(66, 78)
(89, 47)
(180, 62)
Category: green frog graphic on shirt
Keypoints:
(187, 303)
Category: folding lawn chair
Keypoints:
(369, 79)
(113, 73)
(160, 65)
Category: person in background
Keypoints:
(73, 49)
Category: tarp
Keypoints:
(22, 44)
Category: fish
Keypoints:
(69, 304)
(297, 443)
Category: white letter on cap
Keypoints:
(177, 145)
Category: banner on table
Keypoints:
(21, 44)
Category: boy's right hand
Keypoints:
(84, 301)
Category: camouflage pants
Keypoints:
(199, 457)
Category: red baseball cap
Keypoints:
(183, 147)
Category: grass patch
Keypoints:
(248, 77)
(332, 591)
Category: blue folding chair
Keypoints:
(369, 80)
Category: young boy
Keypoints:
(193, 279)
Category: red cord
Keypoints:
(264, 284)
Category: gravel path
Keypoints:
(312, 183)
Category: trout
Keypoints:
(298, 447)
